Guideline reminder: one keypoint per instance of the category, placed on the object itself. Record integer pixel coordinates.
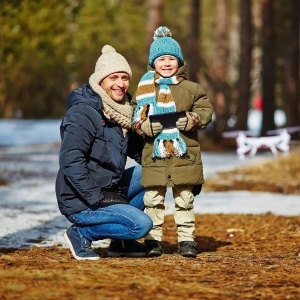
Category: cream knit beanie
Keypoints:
(109, 62)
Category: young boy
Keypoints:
(171, 156)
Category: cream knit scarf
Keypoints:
(121, 112)
(168, 142)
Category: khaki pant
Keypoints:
(184, 216)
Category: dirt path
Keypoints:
(240, 257)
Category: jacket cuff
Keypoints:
(193, 121)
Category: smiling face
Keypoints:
(116, 85)
(166, 66)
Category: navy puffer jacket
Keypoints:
(93, 152)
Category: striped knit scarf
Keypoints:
(168, 142)
(121, 112)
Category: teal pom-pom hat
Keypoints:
(164, 44)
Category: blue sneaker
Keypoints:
(126, 248)
(79, 246)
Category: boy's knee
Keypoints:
(185, 205)
(153, 199)
(185, 200)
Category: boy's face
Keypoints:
(116, 85)
(166, 66)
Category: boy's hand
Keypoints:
(151, 129)
(189, 123)
(181, 123)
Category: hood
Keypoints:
(85, 94)
(182, 71)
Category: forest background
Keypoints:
(238, 50)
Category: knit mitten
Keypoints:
(181, 123)
(151, 128)
(190, 122)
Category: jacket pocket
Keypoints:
(148, 160)
(100, 151)
(192, 157)
(102, 176)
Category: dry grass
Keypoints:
(278, 175)
(240, 257)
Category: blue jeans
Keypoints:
(119, 221)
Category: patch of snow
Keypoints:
(29, 214)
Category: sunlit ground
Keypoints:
(279, 175)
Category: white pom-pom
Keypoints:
(107, 48)
(162, 31)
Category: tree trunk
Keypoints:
(193, 43)
(220, 68)
(268, 66)
(244, 83)
(154, 18)
(292, 101)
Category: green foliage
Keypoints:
(47, 48)
(117, 23)
(35, 39)
(52, 46)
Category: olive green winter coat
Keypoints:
(186, 170)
